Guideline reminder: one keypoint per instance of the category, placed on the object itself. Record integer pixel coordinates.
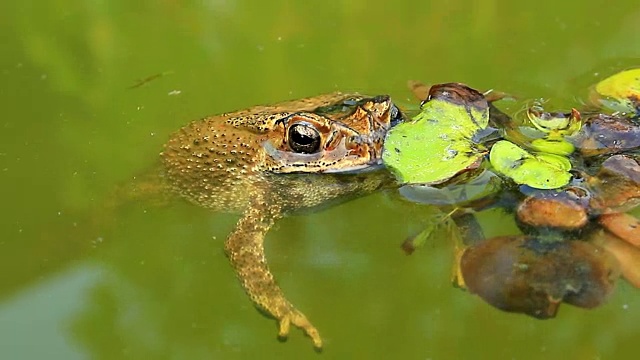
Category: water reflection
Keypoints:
(71, 132)
(533, 276)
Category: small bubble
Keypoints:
(625, 307)
(96, 241)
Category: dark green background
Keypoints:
(153, 282)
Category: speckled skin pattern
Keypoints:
(245, 162)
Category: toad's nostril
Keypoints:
(395, 116)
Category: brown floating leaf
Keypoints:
(554, 210)
(606, 134)
(616, 186)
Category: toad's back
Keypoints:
(213, 163)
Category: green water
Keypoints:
(153, 282)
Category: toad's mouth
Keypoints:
(339, 160)
(373, 165)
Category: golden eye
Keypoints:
(304, 138)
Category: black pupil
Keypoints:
(304, 138)
(303, 135)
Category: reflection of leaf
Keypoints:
(438, 143)
(460, 192)
(529, 275)
(541, 171)
(620, 92)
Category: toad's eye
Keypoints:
(304, 138)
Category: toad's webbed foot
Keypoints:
(245, 250)
(298, 319)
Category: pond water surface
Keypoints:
(152, 282)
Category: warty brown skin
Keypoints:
(255, 162)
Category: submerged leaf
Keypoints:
(413, 242)
(542, 171)
(435, 224)
(439, 143)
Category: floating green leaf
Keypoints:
(619, 92)
(541, 171)
(553, 145)
(438, 144)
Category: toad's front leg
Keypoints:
(245, 249)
